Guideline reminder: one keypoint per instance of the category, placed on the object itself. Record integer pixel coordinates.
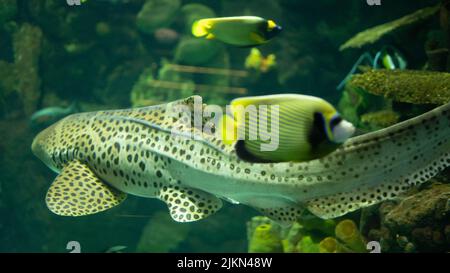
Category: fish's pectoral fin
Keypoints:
(257, 38)
(210, 36)
(77, 191)
(284, 215)
(188, 205)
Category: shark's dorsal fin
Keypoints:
(77, 191)
(188, 205)
(183, 118)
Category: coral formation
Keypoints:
(22, 77)
(309, 235)
(374, 34)
(380, 119)
(265, 240)
(417, 223)
(417, 87)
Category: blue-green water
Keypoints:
(121, 54)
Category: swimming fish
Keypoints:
(255, 60)
(386, 58)
(307, 127)
(242, 31)
(100, 157)
(47, 116)
(389, 58)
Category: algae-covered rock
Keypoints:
(416, 87)
(192, 51)
(8, 9)
(193, 12)
(265, 239)
(162, 234)
(27, 49)
(157, 14)
(374, 34)
(429, 205)
(380, 119)
(21, 78)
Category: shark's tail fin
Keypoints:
(383, 164)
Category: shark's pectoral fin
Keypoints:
(77, 191)
(188, 205)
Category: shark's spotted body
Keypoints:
(103, 155)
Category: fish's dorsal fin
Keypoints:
(187, 204)
(77, 191)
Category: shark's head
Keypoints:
(52, 145)
(42, 149)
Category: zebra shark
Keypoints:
(100, 157)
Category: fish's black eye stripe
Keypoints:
(335, 121)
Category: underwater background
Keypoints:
(57, 59)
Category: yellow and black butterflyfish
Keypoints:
(305, 128)
(242, 31)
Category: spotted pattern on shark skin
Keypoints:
(187, 205)
(135, 152)
(433, 146)
(285, 216)
(77, 191)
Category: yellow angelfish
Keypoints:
(255, 60)
(307, 127)
(243, 31)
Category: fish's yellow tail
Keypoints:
(201, 28)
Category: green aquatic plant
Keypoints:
(410, 86)
(374, 34)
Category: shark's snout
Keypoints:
(40, 148)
